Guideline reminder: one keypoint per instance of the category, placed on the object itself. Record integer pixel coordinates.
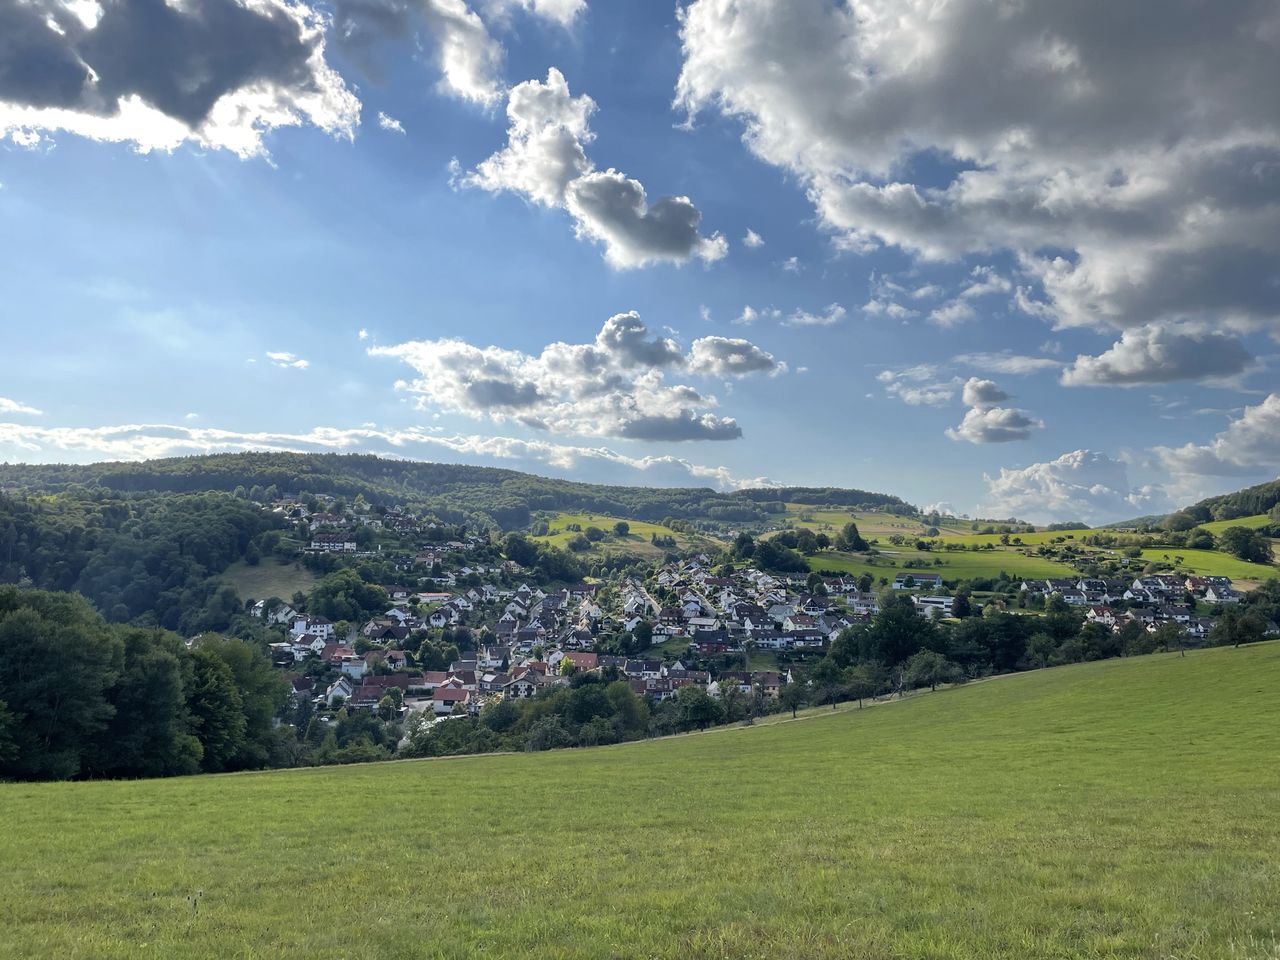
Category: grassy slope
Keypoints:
(270, 578)
(1119, 809)
(1252, 523)
(637, 541)
(958, 565)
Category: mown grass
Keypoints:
(1252, 523)
(1123, 809)
(956, 565)
(270, 578)
(1212, 563)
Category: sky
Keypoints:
(998, 257)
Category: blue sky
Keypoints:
(1012, 276)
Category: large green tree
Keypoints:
(60, 659)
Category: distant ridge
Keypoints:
(454, 492)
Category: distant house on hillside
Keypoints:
(909, 579)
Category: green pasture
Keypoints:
(1121, 809)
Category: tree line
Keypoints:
(81, 698)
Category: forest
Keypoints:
(485, 496)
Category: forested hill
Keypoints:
(453, 492)
(1251, 501)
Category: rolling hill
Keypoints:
(1124, 808)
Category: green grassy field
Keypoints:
(1214, 564)
(1123, 809)
(870, 523)
(958, 565)
(270, 578)
(1252, 523)
(637, 541)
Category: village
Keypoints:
(694, 621)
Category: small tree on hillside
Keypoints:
(793, 696)
(928, 668)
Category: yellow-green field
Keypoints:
(870, 523)
(270, 578)
(956, 565)
(1252, 523)
(1122, 809)
(1212, 563)
(637, 541)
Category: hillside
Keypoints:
(453, 492)
(1117, 809)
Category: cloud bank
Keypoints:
(615, 386)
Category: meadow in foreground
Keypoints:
(1126, 808)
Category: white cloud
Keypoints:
(1248, 447)
(362, 334)
(282, 358)
(545, 160)
(148, 441)
(987, 422)
(13, 406)
(1006, 362)
(564, 13)
(158, 75)
(1161, 353)
(942, 508)
(994, 425)
(389, 123)
(832, 315)
(1082, 485)
(792, 265)
(752, 240)
(918, 386)
(730, 357)
(958, 311)
(1134, 186)
(615, 386)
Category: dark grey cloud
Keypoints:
(626, 337)
(59, 72)
(180, 60)
(681, 427)
(613, 209)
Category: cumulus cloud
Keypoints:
(982, 393)
(1248, 447)
(994, 425)
(1161, 354)
(13, 406)
(730, 357)
(148, 441)
(545, 160)
(986, 421)
(219, 73)
(1080, 485)
(1133, 186)
(829, 317)
(752, 239)
(561, 12)
(615, 386)
(282, 358)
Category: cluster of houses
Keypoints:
(724, 613)
(1149, 600)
